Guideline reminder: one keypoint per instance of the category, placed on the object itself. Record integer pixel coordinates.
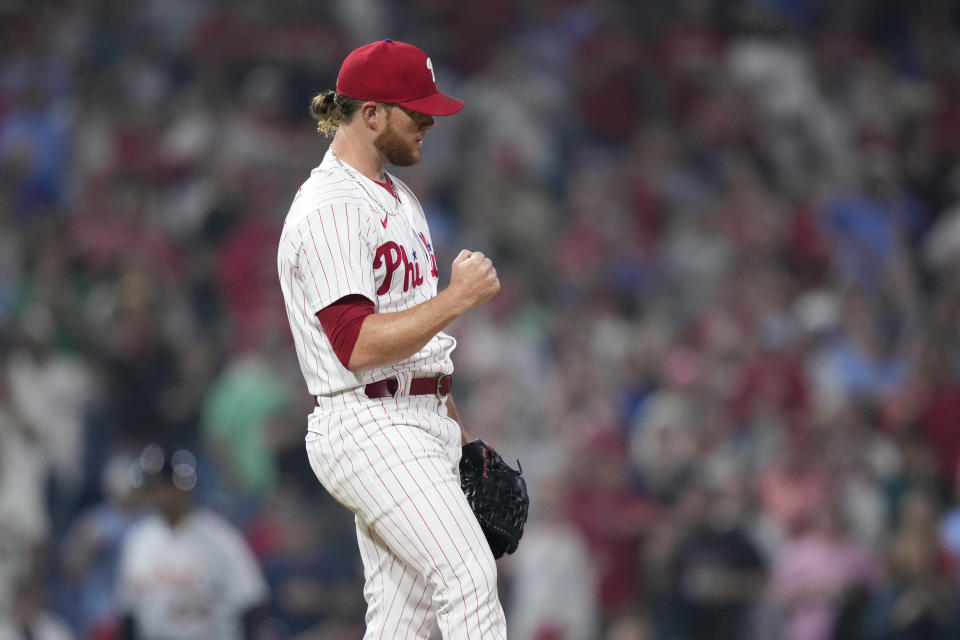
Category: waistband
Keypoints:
(438, 385)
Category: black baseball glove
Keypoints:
(497, 494)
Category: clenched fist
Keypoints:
(473, 279)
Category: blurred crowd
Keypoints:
(726, 350)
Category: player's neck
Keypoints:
(175, 516)
(365, 159)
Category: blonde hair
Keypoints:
(330, 108)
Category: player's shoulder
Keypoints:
(328, 184)
(211, 524)
(326, 190)
(205, 518)
(326, 178)
(146, 533)
(149, 523)
(218, 534)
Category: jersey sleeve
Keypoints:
(341, 321)
(336, 254)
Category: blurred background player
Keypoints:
(185, 573)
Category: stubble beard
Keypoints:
(395, 149)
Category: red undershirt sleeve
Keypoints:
(341, 322)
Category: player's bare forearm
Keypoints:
(388, 338)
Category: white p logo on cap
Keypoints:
(430, 66)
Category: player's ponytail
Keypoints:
(330, 108)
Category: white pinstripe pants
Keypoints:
(393, 462)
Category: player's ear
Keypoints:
(372, 114)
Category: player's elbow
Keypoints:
(355, 366)
(361, 360)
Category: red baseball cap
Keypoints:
(396, 72)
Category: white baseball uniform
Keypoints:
(190, 582)
(392, 461)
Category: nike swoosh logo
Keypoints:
(384, 221)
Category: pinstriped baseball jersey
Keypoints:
(345, 235)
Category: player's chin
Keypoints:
(410, 158)
(416, 151)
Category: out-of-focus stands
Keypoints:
(726, 351)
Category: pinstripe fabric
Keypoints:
(393, 462)
(328, 250)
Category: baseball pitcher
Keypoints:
(359, 279)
